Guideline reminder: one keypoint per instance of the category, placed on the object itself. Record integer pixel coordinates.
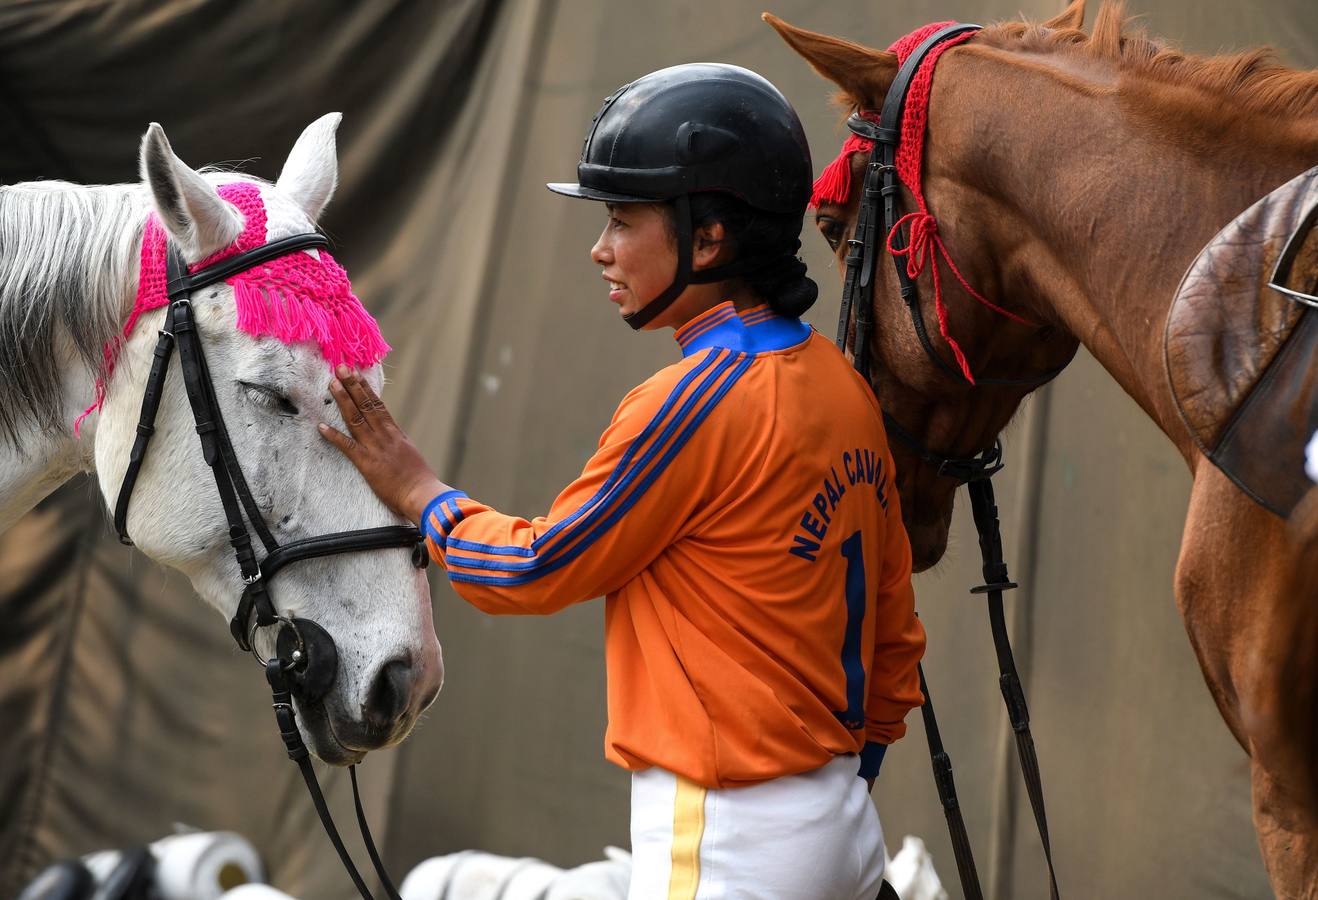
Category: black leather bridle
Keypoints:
(882, 188)
(306, 660)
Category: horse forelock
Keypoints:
(1253, 80)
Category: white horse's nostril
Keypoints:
(389, 697)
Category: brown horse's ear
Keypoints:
(1072, 17)
(863, 74)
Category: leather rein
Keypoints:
(882, 189)
(306, 660)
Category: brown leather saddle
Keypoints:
(1241, 345)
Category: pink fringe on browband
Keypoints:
(292, 298)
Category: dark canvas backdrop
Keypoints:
(124, 706)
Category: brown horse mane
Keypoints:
(1251, 81)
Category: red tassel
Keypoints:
(834, 184)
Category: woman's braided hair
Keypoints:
(769, 242)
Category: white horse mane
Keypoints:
(68, 258)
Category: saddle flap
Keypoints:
(1226, 329)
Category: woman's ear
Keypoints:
(708, 247)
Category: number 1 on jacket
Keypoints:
(853, 551)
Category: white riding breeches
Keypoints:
(813, 836)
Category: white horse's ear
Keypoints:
(311, 171)
(193, 214)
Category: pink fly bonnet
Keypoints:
(293, 298)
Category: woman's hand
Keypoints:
(385, 456)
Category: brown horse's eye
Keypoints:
(833, 230)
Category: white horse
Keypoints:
(69, 266)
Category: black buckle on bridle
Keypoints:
(963, 470)
(982, 466)
(863, 127)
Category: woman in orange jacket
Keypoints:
(740, 515)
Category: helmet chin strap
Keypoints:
(684, 276)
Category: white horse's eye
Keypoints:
(269, 398)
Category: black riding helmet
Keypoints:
(691, 128)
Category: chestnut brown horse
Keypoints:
(1075, 178)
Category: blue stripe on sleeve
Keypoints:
(430, 532)
(452, 506)
(618, 471)
(618, 489)
(608, 484)
(630, 501)
(447, 497)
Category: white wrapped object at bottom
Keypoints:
(484, 876)
(472, 875)
(203, 866)
(608, 879)
(528, 881)
(429, 879)
(256, 892)
(101, 864)
(196, 866)
(912, 873)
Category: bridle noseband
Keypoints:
(305, 660)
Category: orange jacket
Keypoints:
(741, 518)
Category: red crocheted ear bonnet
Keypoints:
(834, 183)
(296, 297)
